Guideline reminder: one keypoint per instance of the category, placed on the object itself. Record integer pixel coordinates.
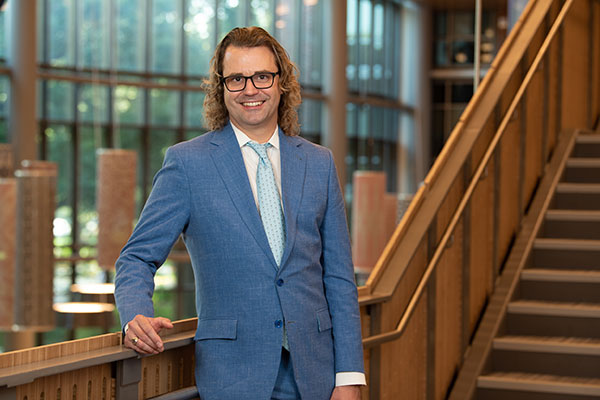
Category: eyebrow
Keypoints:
(262, 71)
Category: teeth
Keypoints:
(253, 104)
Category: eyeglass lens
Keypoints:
(260, 81)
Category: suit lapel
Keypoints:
(293, 168)
(228, 160)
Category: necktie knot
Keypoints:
(260, 149)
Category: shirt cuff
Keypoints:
(350, 378)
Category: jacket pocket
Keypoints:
(216, 329)
(323, 319)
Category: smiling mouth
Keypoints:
(252, 103)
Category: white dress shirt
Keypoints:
(251, 159)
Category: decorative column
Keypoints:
(6, 161)
(8, 229)
(22, 61)
(373, 218)
(335, 85)
(115, 195)
(34, 274)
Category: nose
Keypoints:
(250, 89)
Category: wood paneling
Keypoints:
(448, 207)
(554, 102)
(448, 313)
(86, 383)
(404, 361)
(534, 106)
(8, 230)
(166, 372)
(509, 187)
(575, 55)
(595, 15)
(481, 248)
(487, 132)
(398, 378)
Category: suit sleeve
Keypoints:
(338, 279)
(164, 217)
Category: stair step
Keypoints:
(566, 244)
(548, 318)
(551, 384)
(583, 162)
(573, 215)
(571, 224)
(558, 285)
(577, 196)
(545, 344)
(556, 309)
(567, 187)
(587, 138)
(587, 146)
(566, 253)
(543, 355)
(582, 170)
(559, 275)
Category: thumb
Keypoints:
(162, 322)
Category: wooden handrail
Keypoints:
(78, 356)
(394, 334)
(18, 375)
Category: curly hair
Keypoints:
(216, 115)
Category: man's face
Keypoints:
(252, 110)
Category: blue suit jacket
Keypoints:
(202, 192)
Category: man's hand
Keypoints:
(142, 334)
(351, 392)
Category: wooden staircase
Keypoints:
(550, 343)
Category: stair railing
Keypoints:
(477, 177)
(419, 359)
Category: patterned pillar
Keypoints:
(6, 161)
(8, 228)
(115, 199)
(34, 274)
(373, 218)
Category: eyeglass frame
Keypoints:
(273, 75)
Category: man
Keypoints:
(262, 216)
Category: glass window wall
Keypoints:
(127, 74)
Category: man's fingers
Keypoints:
(149, 333)
(142, 329)
(138, 345)
(142, 347)
(140, 341)
(160, 322)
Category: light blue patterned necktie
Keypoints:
(271, 212)
(269, 202)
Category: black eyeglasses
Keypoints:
(260, 80)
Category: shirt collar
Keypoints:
(242, 138)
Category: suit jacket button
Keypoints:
(279, 282)
(278, 324)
